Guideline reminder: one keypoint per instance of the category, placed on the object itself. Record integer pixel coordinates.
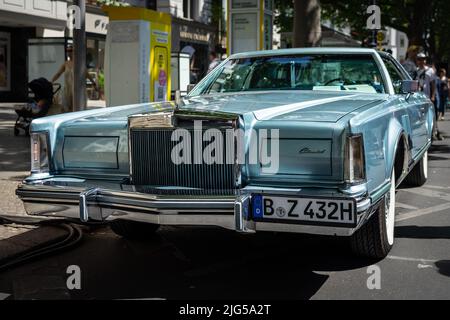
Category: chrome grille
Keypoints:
(153, 168)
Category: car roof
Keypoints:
(317, 50)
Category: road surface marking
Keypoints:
(405, 206)
(425, 266)
(3, 296)
(422, 261)
(436, 187)
(429, 193)
(422, 212)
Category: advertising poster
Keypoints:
(160, 71)
(245, 31)
(5, 61)
(244, 4)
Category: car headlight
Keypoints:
(39, 152)
(354, 170)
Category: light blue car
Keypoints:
(299, 140)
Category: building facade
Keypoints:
(192, 32)
(396, 41)
(21, 20)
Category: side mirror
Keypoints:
(410, 86)
(190, 87)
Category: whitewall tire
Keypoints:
(419, 174)
(376, 237)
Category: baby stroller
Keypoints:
(42, 92)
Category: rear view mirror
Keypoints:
(410, 86)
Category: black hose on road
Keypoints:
(73, 237)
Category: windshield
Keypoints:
(358, 73)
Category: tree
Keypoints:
(426, 23)
(409, 16)
(284, 15)
(218, 22)
(307, 28)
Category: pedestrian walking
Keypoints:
(427, 84)
(67, 69)
(410, 63)
(426, 76)
(443, 92)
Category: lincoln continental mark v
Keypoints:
(309, 141)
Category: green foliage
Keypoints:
(101, 80)
(218, 16)
(284, 17)
(426, 22)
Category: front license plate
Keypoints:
(303, 210)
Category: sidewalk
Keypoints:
(91, 104)
(14, 167)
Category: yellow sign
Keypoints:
(147, 54)
(380, 36)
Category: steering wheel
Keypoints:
(344, 81)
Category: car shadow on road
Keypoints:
(422, 232)
(439, 148)
(209, 263)
(443, 267)
(437, 158)
(199, 263)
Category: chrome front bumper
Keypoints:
(97, 201)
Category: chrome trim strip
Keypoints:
(226, 221)
(84, 197)
(169, 120)
(96, 204)
(242, 213)
(163, 119)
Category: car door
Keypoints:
(414, 121)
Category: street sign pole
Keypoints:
(79, 59)
(374, 31)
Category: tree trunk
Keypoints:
(307, 28)
(416, 26)
(79, 60)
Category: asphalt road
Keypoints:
(211, 263)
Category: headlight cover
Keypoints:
(40, 152)
(354, 168)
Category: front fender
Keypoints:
(394, 135)
(431, 117)
(381, 137)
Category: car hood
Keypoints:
(285, 105)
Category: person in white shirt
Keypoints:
(426, 77)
